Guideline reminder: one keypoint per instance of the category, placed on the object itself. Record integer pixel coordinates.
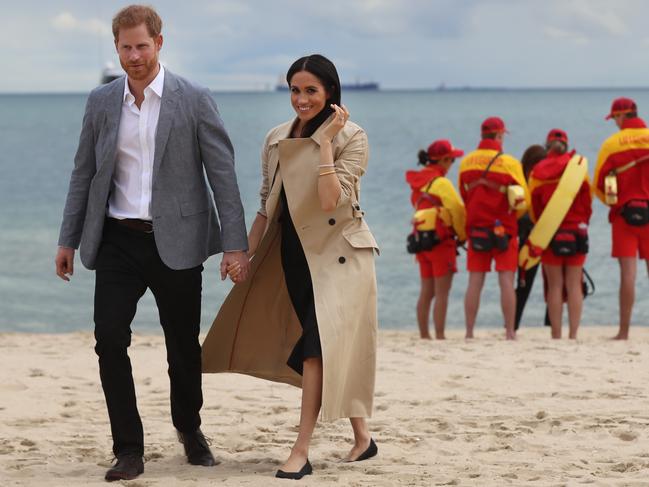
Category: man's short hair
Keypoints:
(490, 136)
(135, 15)
(631, 115)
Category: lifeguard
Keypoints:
(495, 193)
(622, 182)
(440, 220)
(563, 260)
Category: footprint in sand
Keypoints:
(626, 435)
(625, 467)
(445, 437)
(36, 373)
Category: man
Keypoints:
(622, 166)
(139, 206)
(485, 178)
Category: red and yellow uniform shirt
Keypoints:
(452, 213)
(629, 144)
(484, 204)
(543, 182)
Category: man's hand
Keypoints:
(64, 263)
(235, 264)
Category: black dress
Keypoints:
(300, 290)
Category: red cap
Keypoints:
(443, 148)
(621, 106)
(493, 125)
(557, 134)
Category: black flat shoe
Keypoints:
(371, 451)
(127, 467)
(197, 449)
(306, 470)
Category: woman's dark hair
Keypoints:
(533, 155)
(422, 155)
(323, 69)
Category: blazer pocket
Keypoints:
(189, 208)
(360, 238)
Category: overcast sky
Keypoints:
(62, 45)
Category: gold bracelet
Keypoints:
(326, 172)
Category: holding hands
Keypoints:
(341, 115)
(235, 265)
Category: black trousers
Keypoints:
(127, 264)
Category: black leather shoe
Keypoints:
(306, 470)
(371, 451)
(197, 448)
(127, 467)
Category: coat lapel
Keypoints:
(168, 105)
(113, 115)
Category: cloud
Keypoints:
(67, 22)
(228, 8)
(556, 33)
(597, 16)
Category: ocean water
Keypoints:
(38, 138)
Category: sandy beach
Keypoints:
(487, 412)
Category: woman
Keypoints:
(307, 314)
(531, 157)
(438, 208)
(563, 260)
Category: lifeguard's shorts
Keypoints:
(629, 241)
(507, 260)
(550, 258)
(438, 261)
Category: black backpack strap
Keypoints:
(483, 177)
(488, 168)
(425, 195)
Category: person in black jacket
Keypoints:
(525, 279)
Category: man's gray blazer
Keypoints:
(190, 139)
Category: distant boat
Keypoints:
(357, 86)
(110, 73)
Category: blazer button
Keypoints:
(332, 221)
(341, 260)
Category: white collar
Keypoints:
(156, 86)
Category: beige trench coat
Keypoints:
(257, 328)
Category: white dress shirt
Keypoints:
(133, 177)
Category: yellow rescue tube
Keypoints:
(554, 213)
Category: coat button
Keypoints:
(332, 221)
(357, 207)
(341, 260)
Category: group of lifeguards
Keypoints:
(495, 194)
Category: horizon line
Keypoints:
(381, 90)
